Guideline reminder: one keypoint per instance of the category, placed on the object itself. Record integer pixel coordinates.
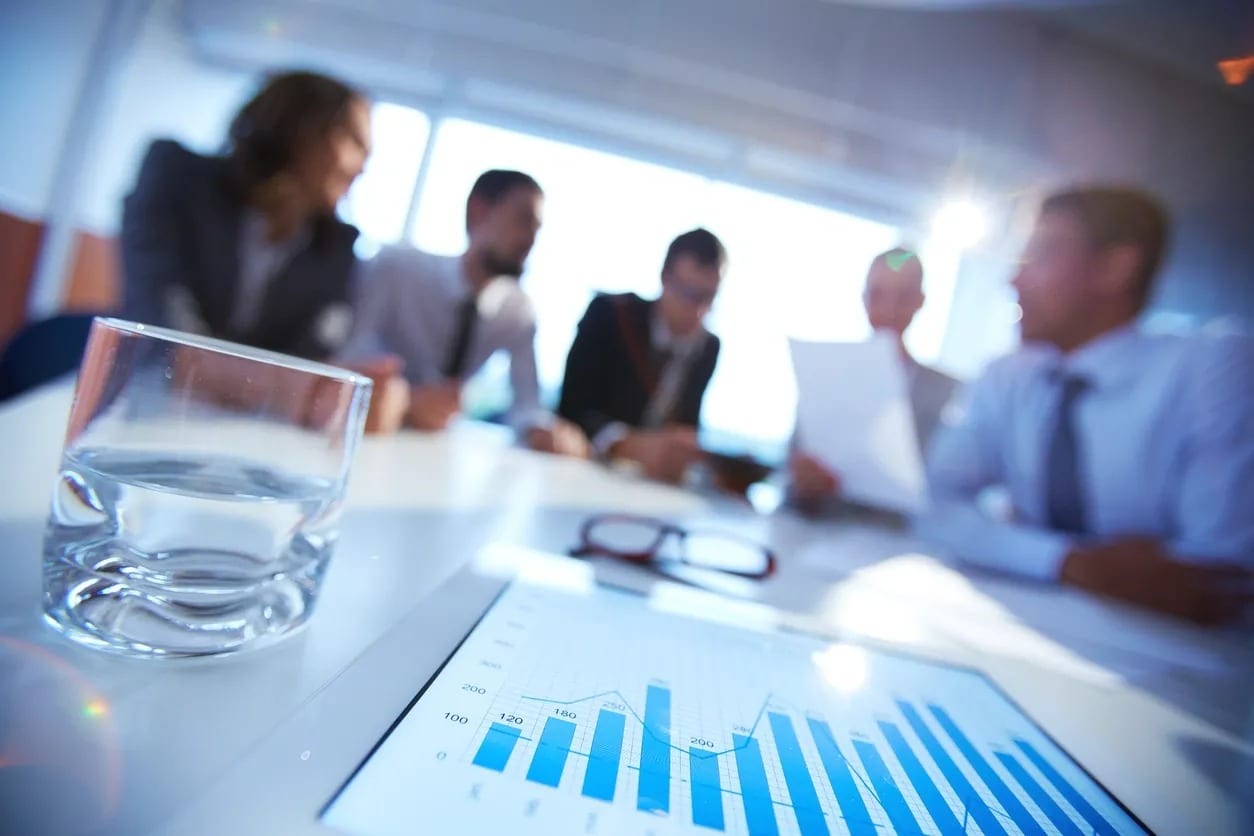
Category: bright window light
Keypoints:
(379, 200)
(960, 223)
(794, 269)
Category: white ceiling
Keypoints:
(879, 104)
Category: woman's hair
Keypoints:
(290, 110)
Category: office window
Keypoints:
(794, 269)
(379, 201)
(607, 221)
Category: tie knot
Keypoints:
(1071, 384)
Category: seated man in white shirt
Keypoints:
(445, 316)
(892, 297)
(1128, 458)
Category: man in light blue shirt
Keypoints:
(1128, 458)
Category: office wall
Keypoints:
(165, 91)
(43, 54)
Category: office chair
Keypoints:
(41, 351)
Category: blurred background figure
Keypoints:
(637, 371)
(809, 206)
(631, 151)
(1128, 457)
(892, 297)
(247, 246)
(444, 316)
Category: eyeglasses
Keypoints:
(697, 297)
(649, 540)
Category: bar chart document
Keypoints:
(594, 712)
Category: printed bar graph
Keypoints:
(1100, 826)
(1009, 801)
(497, 746)
(754, 791)
(805, 800)
(855, 782)
(603, 760)
(550, 757)
(619, 717)
(1038, 795)
(886, 788)
(852, 807)
(707, 790)
(975, 806)
(655, 752)
(937, 808)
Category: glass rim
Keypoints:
(233, 349)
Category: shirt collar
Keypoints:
(498, 287)
(254, 234)
(661, 338)
(1107, 360)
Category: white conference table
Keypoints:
(1160, 712)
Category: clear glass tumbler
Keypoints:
(199, 494)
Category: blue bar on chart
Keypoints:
(805, 800)
(1038, 795)
(886, 789)
(1074, 797)
(966, 793)
(655, 752)
(550, 757)
(754, 791)
(497, 746)
(852, 807)
(1024, 820)
(603, 759)
(926, 789)
(707, 789)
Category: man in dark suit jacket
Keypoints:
(638, 370)
(247, 246)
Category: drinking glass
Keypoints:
(199, 492)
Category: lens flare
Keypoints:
(845, 667)
(960, 223)
(60, 762)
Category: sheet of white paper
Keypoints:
(853, 414)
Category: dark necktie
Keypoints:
(1064, 490)
(659, 359)
(660, 403)
(464, 330)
